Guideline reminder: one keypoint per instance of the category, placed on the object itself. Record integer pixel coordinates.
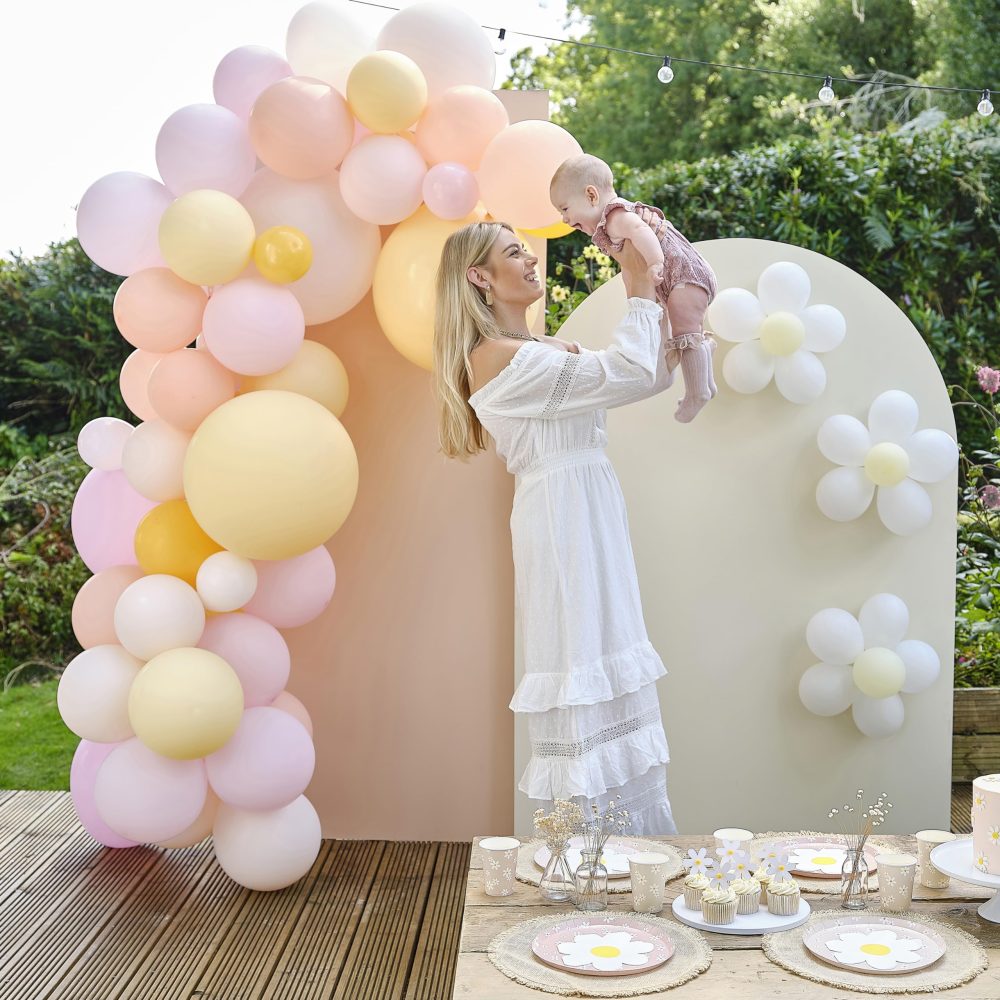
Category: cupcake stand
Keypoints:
(762, 922)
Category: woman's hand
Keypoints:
(652, 219)
(635, 274)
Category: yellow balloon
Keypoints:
(271, 474)
(206, 237)
(185, 703)
(169, 540)
(552, 232)
(887, 464)
(782, 333)
(879, 672)
(386, 91)
(282, 254)
(315, 371)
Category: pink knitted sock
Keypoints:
(696, 364)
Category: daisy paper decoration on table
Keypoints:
(889, 456)
(605, 952)
(776, 334)
(697, 862)
(882, 950)
(829, 861)
(865, 664)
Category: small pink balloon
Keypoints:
(291, 592)
(118, 222)
(134, 383)
(287, 702)
(244, 74)
(94, 605)
(105, 514)
(82, 774)
(253, 326)
(187, 385)
(381, 179)
(255, 650)
(266, 764)
(450, 190)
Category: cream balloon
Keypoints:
(782, 333)
(226, 581)
(153, 460)
(887, 464)
(315, 371)
(158, 613)
(325, 40)
(879, 672)
(93, 693)
(101, 440)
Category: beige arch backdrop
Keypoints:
(734, 557)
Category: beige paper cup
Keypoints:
(896, 873)
(741, 836)
(927, 874)
(499, 864)
(648, 874)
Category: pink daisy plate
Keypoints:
(819, 858)
(613, 945)
(879, 946)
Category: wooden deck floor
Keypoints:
(374, 920)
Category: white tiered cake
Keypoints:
(986, 823)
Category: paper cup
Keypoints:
(742, 837)
(499, 864)
(895, 881)
(927, 874)
(648, 873)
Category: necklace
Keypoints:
(517, 336)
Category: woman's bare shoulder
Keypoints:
(489, 358)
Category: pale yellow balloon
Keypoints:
(887, 464)
(879, 672)
(271, 474)
(386, 91)
(206, 237)
(553, 232)
(315, 371)
(185, 703)
(782, 333)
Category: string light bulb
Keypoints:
(500, 45)
(665, 74)
(826, 94)
(985, 106)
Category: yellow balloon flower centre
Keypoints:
(887, 464)
(879, 672)
(605, 951)
(875, 949)
(782, 333)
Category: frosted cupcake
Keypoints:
(763, 877)
(718, 906)
(694, 885)
(747, 895)
(783, 898)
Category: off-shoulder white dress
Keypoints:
(590, 672)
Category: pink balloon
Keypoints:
(253, 327)
(94, 605)
(287, 702)
(244, 73)
(381, 179)
(187, 385)
(255, 650)
(459, 125)
(118, 222)
(134, 381)
(266, 764)
(450, 190)
(291, 592)
(105, 514)
(101, 440)
(82, 775)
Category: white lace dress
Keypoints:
(589, 684)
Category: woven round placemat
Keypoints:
(510, 951)
(528, 872)
(963, 960)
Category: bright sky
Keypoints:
(88, 83)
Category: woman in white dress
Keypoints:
(590, 672)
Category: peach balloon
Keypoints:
(289, 703)
(315, 371)
(517, 168)
(200, 828)
(157, 311)
(381, 179)
(386, 91)
(301, 128)
(134, 381)
(459, 125)
(187, 385)
(94, 605)
(169, 540)
(153, 460)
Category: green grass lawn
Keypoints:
(36, 749)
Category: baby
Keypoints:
(583, 192)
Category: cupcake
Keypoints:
(763, 876)
(783, 898)
(694, 885)
(747, 895)
(718, 906)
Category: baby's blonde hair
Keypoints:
(581, 171)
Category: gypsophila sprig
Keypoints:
(600, 826)
(559, 825)
(856, 826)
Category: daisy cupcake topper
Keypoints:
(729, 850)
(723, 876)
(780, 867)
(741, 865)
(697, 862)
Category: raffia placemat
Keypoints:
(963, 960)
(528, 872)
(510, 951)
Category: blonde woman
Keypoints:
(590, 672)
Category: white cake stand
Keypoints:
(955, 859)
(761, 922)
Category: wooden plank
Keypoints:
(976, 710)
(21, 808)
(974, 755)
(961, 808)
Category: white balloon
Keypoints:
(157, 613)
(933, 455)
(747, 367)
(800, 377)
(826, 689)
(783, 286)
(878, 717)
(735, 314)
(93, 693)
(844, 439)
(892, 417)
(153, 460)
(923, 665)
(825, 327)
(100, 442)
(325, 40)
(844, 494)
(226, 581)
(905, 507)
(884, 620)
(834, 636)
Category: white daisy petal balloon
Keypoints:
(605, 952)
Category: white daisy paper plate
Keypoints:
(614, 857)
(820, 858)
(612, 947)
(879, 946)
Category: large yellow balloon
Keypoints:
(553, 232)
(206, 237)
(271, 474)
(169, 540)
(185, 703)
(282, 254)
(315, 371)
(386, 91)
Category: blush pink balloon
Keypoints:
(291, 592)
(255, 650)
(244, 73)
(450, 190)
(134, 382)
(266, 764)
(381, 179)
(253, 327)
(187, 385)
(82, 774)
(94, 605)
(287, 702)
(105, 514)
(459, 125)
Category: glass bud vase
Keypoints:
(591, 883)
(557, 880)
(854, 881)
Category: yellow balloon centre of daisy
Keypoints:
(879, 672)
(782, 333)
(606, 951)
(887, 464)
(823, 861)
(875, 949)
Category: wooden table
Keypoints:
(739, 968)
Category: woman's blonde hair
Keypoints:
(462, 319)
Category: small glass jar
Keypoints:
(854, 881)
(591, 883)
(556, 882)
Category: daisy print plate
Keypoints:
(887, 946)
(614, 857)
(821, 859)
(618, 946)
